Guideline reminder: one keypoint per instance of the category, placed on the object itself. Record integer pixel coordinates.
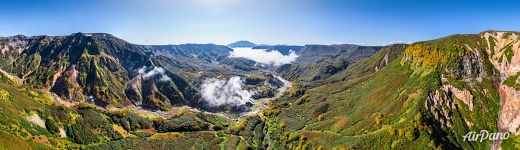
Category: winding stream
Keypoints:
(261, 104)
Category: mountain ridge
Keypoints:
(108, 71)
(424, 95)
(242, 43)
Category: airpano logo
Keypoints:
(485, 135)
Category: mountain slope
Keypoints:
(317, 62)
(85, 67)
(109, 72)
(429, 96)
(426, 95)
(284, 49)
(102, 69)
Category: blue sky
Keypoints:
(367, 22)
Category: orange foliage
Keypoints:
(341, 123)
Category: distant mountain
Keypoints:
(424, 95)
(200, 56)
(317, 62)
(317, 53)
(241, 44)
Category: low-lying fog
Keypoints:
(263, 56)
(231, 91)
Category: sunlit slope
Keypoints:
(32, 119)
(429, 96)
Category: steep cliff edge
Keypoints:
(504, 51)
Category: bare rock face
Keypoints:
(67, 78)
(509, 117)
(383, 62)
(442, 101)
(501, 44)
(11, 48)
(133, 92)
(439, 103)
(464, 95)
(15, 43)
(471, 66)
(504, 51)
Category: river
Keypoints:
(260, 105)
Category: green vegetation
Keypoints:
(444, 52)
(509, 52)
(130, 121)
(5, 96)
(512, 81)
(352, 115)
(395, 99)
(85, 125)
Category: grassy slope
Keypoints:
(363, 109)
(16, 132)
(356, 108)
(444, 55)
(379, 111)
(360, 108)
(357, 125)
(88, 127)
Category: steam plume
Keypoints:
(221, 92)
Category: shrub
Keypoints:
(92, 117)
(183, 123)
(52, 126)
(320, 110)
(282, 125)
(397, 144)
(378, 119)
(81, 133)
(5, 96)
(131, 121)
(411, 134)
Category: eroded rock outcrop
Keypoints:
(463, 95)
(509, 117)
(442, 101)
(504, 50)
(14, 44)
(439, 103)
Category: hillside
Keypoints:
(104, 70)
(427, 97)
(318, 62)
(95, 91)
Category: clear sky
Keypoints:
(367, 22)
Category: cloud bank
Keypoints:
(263, 56)
(155, 71)
(221, 92)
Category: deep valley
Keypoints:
(97, 91)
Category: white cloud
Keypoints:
(164, 78)
(141, 70)
(263, 56)
(221, 92)
(155, 71)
